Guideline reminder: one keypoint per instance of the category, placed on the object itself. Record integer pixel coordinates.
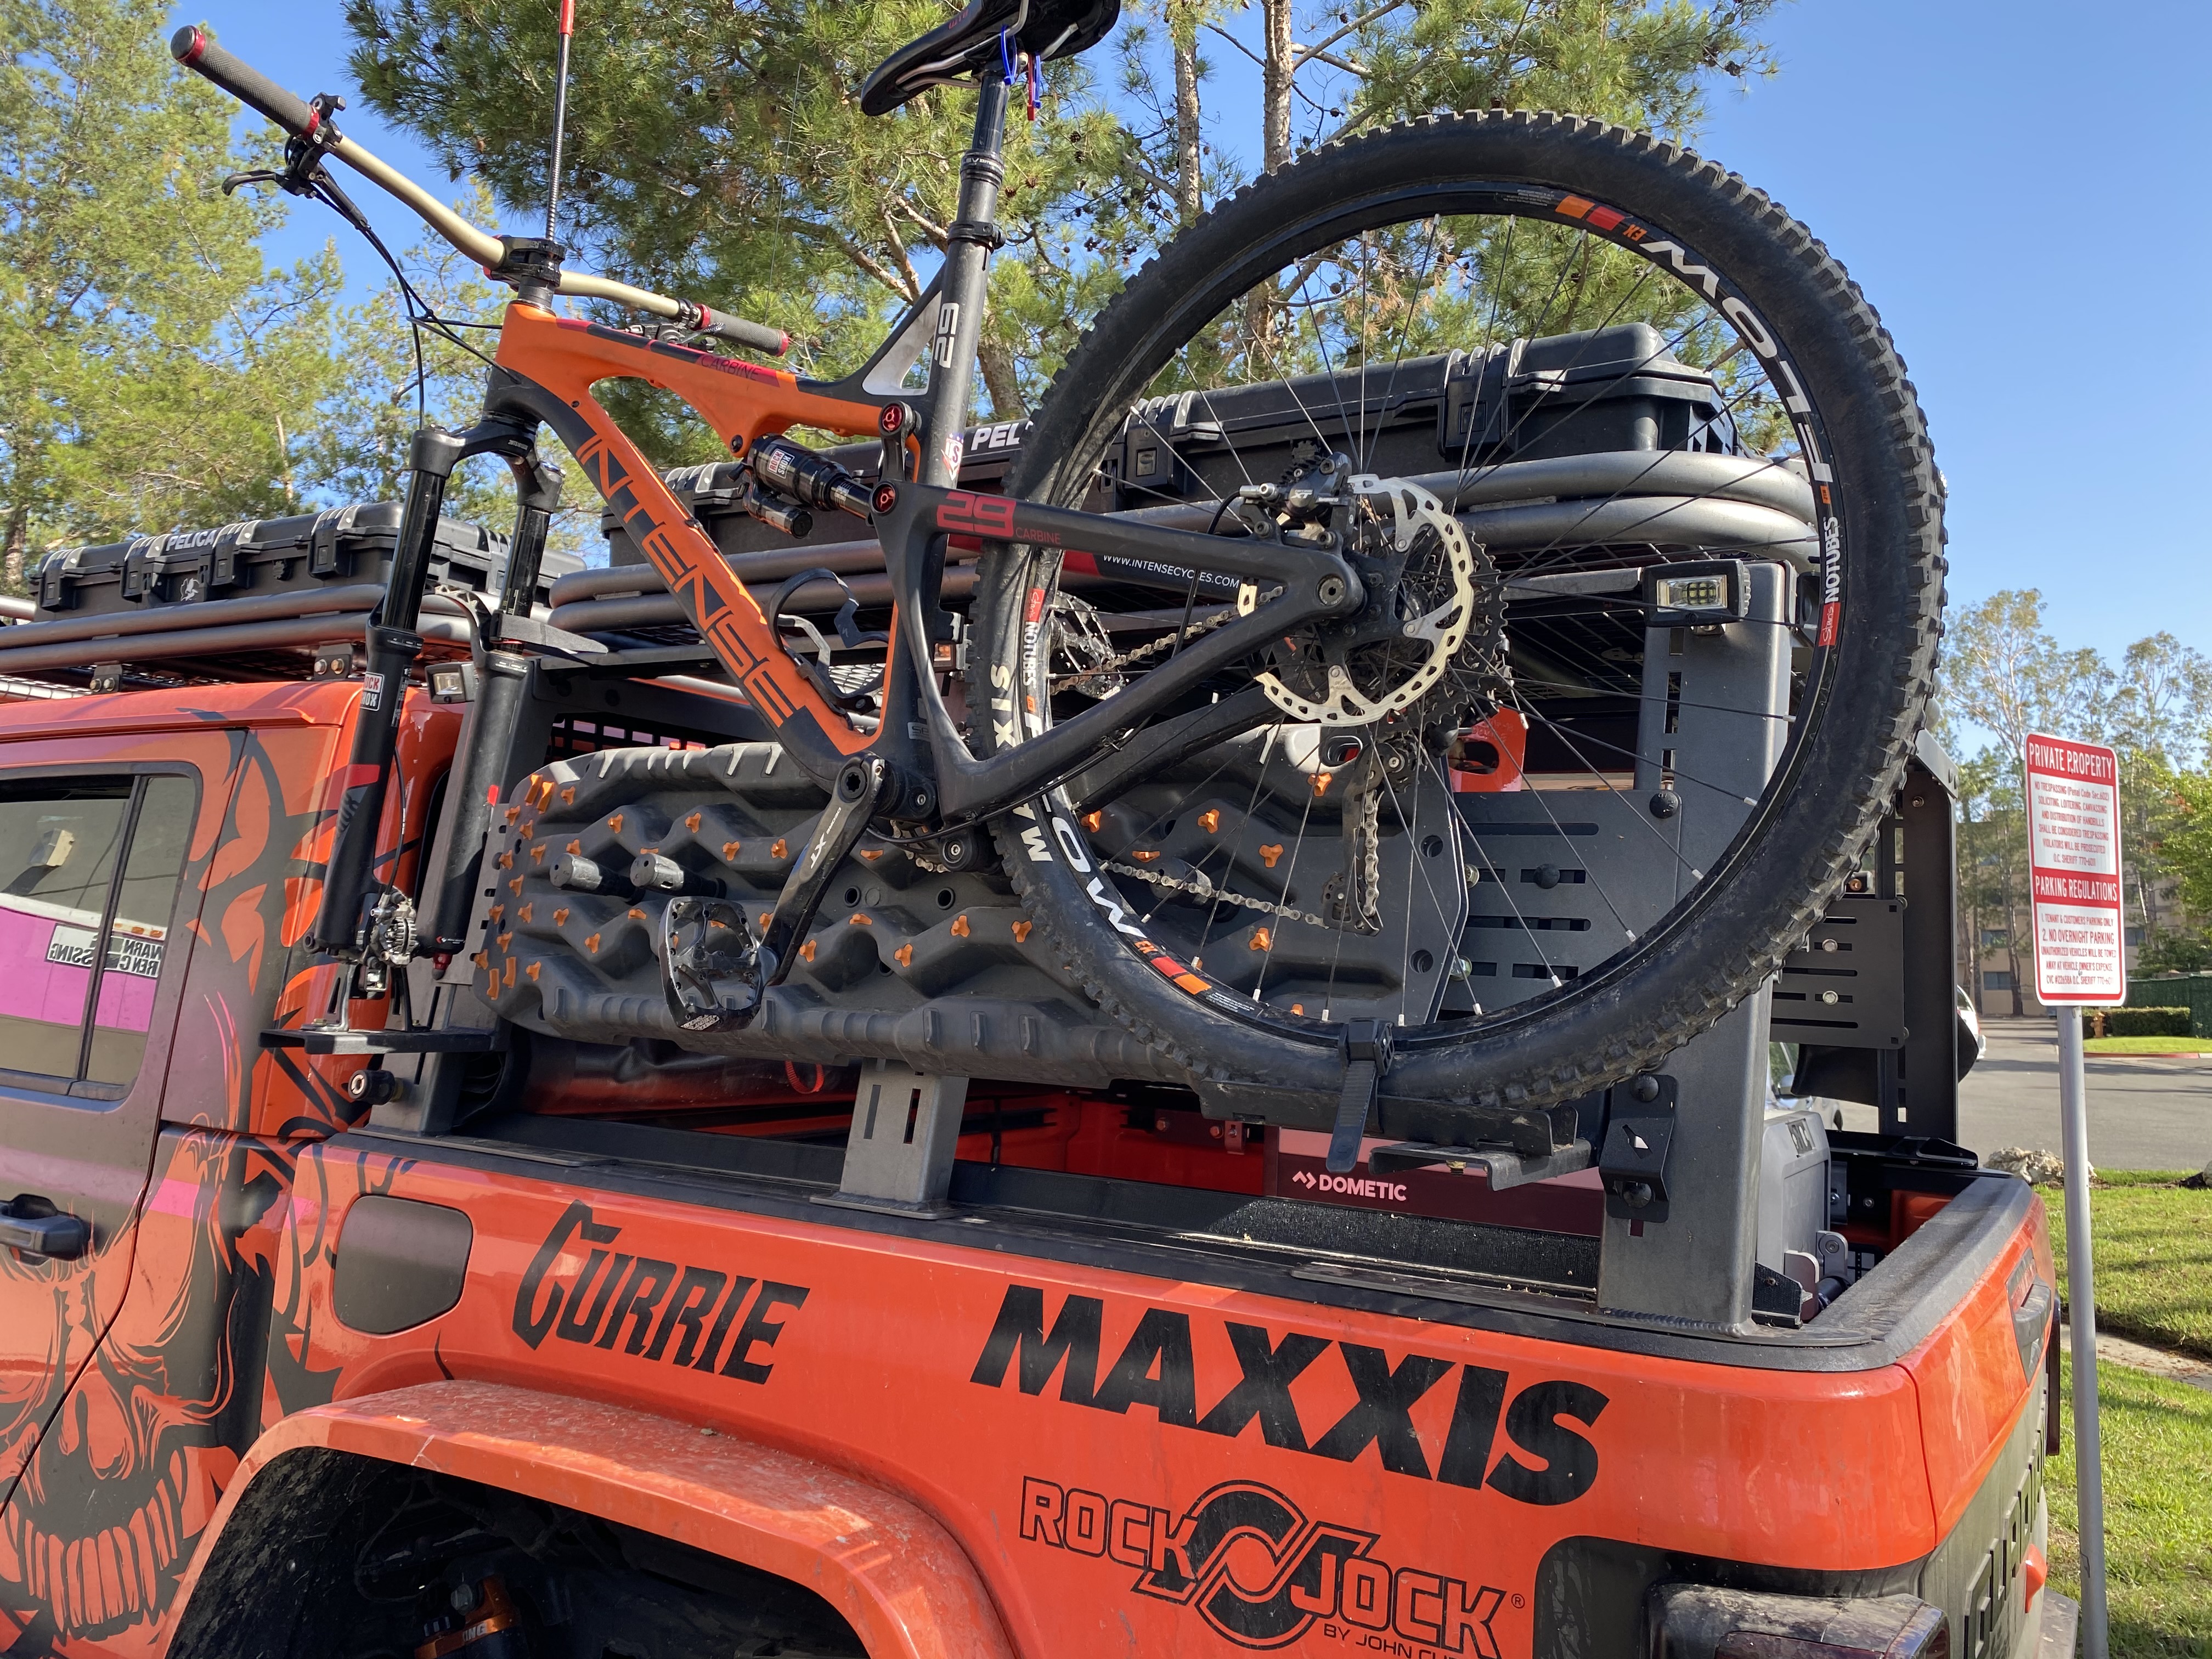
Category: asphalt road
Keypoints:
(2144, 1113)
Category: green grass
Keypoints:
(2158, 1513)
(2153, 1249)
(2146, 1045)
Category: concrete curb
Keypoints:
(2118, 1351)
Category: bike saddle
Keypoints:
(958, 49)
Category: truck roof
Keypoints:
(253, 703)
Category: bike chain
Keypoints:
(1363, 862)
(1223, 895)
(1152, 648)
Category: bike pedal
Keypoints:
(711, 969)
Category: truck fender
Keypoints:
(897, 1576)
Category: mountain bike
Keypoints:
(1237, 788)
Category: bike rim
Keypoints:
(1418, 273)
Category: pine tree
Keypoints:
(153, 372)
(720, 150)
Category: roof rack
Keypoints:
(277, 599)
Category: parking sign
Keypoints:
(2073, 866)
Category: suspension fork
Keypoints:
(349, 879)
(486, 756)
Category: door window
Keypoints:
(88, 873)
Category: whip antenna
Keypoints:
(559, 117)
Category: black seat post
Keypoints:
(974, 232)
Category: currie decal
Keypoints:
(1302, 1572)
(1549, 1460)
(656, 1309)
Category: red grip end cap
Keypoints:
(187, 44)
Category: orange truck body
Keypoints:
(969, 1437)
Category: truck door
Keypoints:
(93, 931)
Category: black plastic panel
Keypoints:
(400, 1264)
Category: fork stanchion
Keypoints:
(351, 877)
(2088, 1454)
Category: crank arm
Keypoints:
(715, 977)
(859, 792)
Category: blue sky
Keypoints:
(2012, 185)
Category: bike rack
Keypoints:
(1561, 877)
(898, 1156)
(1712, 725)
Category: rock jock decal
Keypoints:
(1308, 1571)
(1548, 1459)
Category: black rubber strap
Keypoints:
(1352, 1106)
(1366, 1059)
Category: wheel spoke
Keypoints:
(1326, 332)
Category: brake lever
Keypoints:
(303, 157)
(303, 174)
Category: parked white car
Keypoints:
(1972, 1045)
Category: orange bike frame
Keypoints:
(549, 366)
(553, 363)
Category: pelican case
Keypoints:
(340, 546)
(1608, 389)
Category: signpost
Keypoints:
(2073, 874)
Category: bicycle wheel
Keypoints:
(1649, 531)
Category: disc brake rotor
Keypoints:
(1437, 634)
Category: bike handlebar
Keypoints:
(192, 46)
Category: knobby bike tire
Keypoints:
(1811, 830)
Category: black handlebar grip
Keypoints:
(759, 335)
(191, 47)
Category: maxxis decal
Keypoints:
(1550, 1458)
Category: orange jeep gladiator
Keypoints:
(583, 1346)
(1217, 1032)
